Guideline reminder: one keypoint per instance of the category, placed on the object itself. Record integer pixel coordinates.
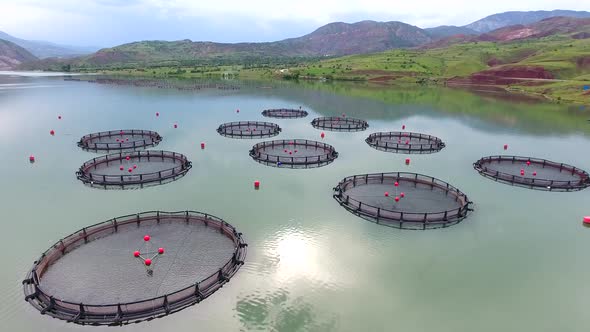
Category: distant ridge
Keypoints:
(43, 49)
(12, 55)
(501, 20)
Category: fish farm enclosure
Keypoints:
(93, 276)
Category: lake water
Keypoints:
(518, 263)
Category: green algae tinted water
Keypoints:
(518, 263)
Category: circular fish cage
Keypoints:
(405, 142)
(336, 123)
(135, 268)
(123, 140)
(284, 113)
(294, 153)
(249, 129)
(403, 200)
(533, 173)
(133, 170)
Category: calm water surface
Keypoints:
(518, 263)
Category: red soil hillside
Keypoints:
(504, 75)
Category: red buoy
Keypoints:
(402, 195)
(387, 194)
(148, 262)
(407, 161)
(157, 113)
(256, 184)
(203, 145)
(59, 117)
(322, 135)
(122, 133)
(237, 111)
(286, 151)
(160, 251)
(396, 184)
(146, 238)
(522, 172)
(32, 158)
(117, 139)
(403, 127)
(130, 170)
(407, 142)
(290, 152)
(295, 151)
(528, 163)
(52, 132)
(505, 146)
(534, 173)
(175, 126)
(121, 168)
(587, 220)
(397, 198)
(136, 254)
(134, 166)
(127, 158)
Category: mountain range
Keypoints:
(44, 49)
(334, 39)
(12, 55)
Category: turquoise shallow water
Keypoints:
(518, 263)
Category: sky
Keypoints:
(112, 22)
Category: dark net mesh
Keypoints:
(416, 202)
(249, 129)
(297, 153)
(405, 142)
(533, 173)
(336, 123)
(130, 139)
(127, 170)
(284, 113)
(98, 280)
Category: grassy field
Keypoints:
(559, 55)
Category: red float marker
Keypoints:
(322, 135)
(386, 194)
(257, 184)
(403, 127)
(52, 132)
(534, 173)
(134, 166)
(396, 198)
(505, 146)
(160, 251)
(396, 184)
(237, 111)
(146, 238)
(136, 254)
(202, 145)
(59, 117)
(402, 195)
(175, 126)
(407, 161)
(121, 168)
(130, 170)
(586, 220)
(148, 262)
(528, 163)
(127, 158)
(157, 114)
(31, 158)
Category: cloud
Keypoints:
(110, 22)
